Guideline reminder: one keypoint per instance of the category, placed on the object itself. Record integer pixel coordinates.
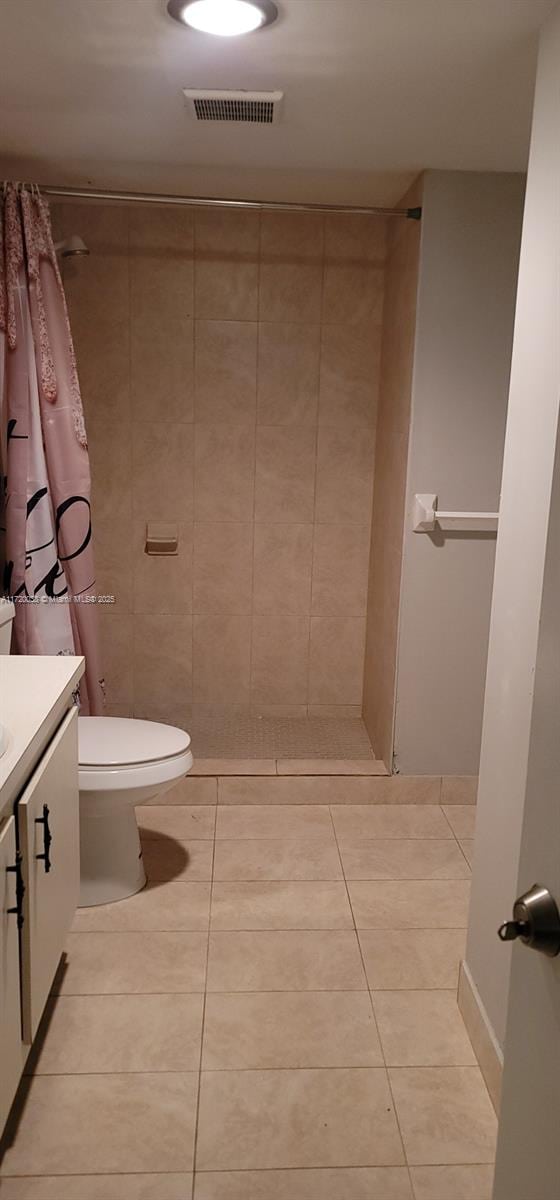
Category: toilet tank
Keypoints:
(6, 618)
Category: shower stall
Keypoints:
(230, 363)
(264, 386)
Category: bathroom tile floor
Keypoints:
(273, 1018)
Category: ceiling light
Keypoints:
(226, 18)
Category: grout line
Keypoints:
(246, 1170)
(289, 929)
(97, 995)
(374, 1015)
(346, 843)
(331, 879)
(251, 1071)
(280, 991)
(99, 1175)
(243, 991)
(255, 456)
(131, 272)
(469, 865)
(261, 1070)
(457, 840)
(202, 1028)
(316, 472)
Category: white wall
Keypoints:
(471, 229)
(520, 558)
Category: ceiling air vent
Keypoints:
(254, 108)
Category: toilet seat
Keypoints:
(110, 742)
(122, 753)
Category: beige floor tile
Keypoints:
(445, 1115)
(166, 859)
(97, 1187)
(399, 859)
(286, 905)
(281, 858)
(323, 789)
(342, 1183)
(189, 790)
(187, 823)
(264, 1030)
(453, 1183)
(160, 906)
(234, 766)
(393, 789)
(422, 1029)
(86, 1124)
(113, 963)
(267, 1119)
(270, 791)
(459, 789)
(389, 821)
(331, 766)
(462, 818)
(285, 961)
(92, 1034)
(413, 958)
(410, 903)
(273, 821)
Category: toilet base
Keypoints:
(111, 866)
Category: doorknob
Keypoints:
(536, 920)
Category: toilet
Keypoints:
(123, 762)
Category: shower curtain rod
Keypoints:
(413, 214)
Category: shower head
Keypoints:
(71, 246)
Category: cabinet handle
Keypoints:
(47, 838)
(20, 890)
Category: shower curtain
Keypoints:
(47, 555)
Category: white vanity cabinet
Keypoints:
(39, 846)
(47, 817)
(11, 1050)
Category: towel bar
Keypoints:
(425, 515)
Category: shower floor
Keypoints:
(242, 736)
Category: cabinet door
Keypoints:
(11, 1049)
(48, 831)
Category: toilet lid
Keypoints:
(122, 741)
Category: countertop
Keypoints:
(35, 692)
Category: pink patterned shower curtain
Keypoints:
(47, 552)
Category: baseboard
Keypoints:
(488, 1053)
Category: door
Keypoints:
(528, 1154)
(11, 1050)
(48, 834)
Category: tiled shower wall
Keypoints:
(229, 364)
